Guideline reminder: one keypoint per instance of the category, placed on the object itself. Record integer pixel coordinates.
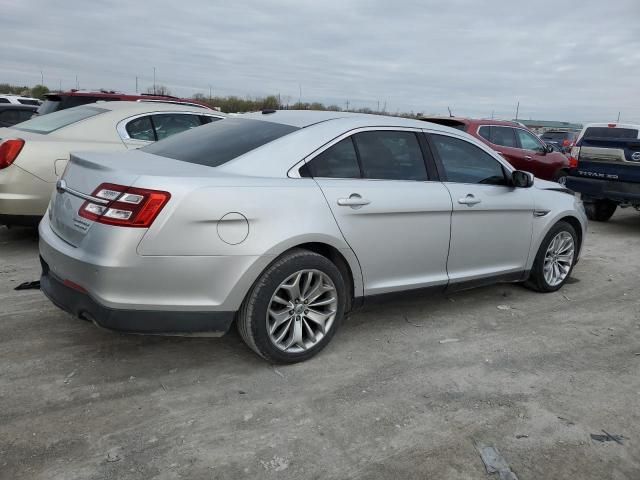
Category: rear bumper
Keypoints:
(605, 189)
(82, 305)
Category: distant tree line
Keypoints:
(37, 91)
(228, 104)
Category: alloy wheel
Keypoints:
(302, 311)
(559, 258)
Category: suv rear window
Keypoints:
(555, 135)
(613, 133)
(54, 121)
(216, 143)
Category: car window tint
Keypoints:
(219, 142)
(528, 141)
(53, 121)
(463, 162)
(141, 129)
(4, 100)
(168, 124)
(24, 115)
(338, 161)
(497, 135)
(609, 133)
(390, 155)
(26, 101)
(9, 117)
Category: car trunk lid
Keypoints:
(609, 153)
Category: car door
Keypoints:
(491, 223)
(534, 153)
(394, 218)
(503, 140)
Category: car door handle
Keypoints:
(469, 200)
(353, 201)
(527, 157)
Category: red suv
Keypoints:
(74, 98)
(521, 147)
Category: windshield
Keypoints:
(53, 121)
(555, 135)
(217, 143)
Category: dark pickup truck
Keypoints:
(605, 168)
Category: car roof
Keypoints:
(306, 118)
(155, 106)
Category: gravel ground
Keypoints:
(388, 398)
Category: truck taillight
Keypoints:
(573, 157)
(9, 150)
(566, 142)
(126, 207)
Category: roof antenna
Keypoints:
(450, 114)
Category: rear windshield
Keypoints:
(556, 135)
(611, 133)
(53, 121)
(457, 124)
(215, 144)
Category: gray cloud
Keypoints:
(563, 60)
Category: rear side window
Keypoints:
(219, 142)
(26, 101)
(4, 100)
(338, 161)
(611, 133)
(167, 124)
(390, 155)
(53, 121)
(141, 129)
(466, 163)
(504, 136)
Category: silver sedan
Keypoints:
(285, 221)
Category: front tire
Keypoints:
(600, 210)
(555, 259)
(561, 177)
(294, 308)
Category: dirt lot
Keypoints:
(533, 378)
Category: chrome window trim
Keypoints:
(294, 171)
(121, 126)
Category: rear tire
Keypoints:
(294, 308)
(554, 261)
(600, 210)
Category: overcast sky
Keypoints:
(563, 60)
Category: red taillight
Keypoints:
(566, 143)
(573, 157)
(573, 162)
(611, 125)
(126, 207)
(9, 150)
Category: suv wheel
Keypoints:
(555, 259)
(294, 308)
(600, 210)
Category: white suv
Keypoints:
(18, 100)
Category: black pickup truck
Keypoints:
(605, 168)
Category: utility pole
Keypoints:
(60, 89)
(154, 80)
(77, 84)
(618, 118)
(347, 102)
(384, 107)
(210, 93)
(300, 94)
(378, 109)
(41, 78)
(517, 109)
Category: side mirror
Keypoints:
(548, 149)
(521, 179)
